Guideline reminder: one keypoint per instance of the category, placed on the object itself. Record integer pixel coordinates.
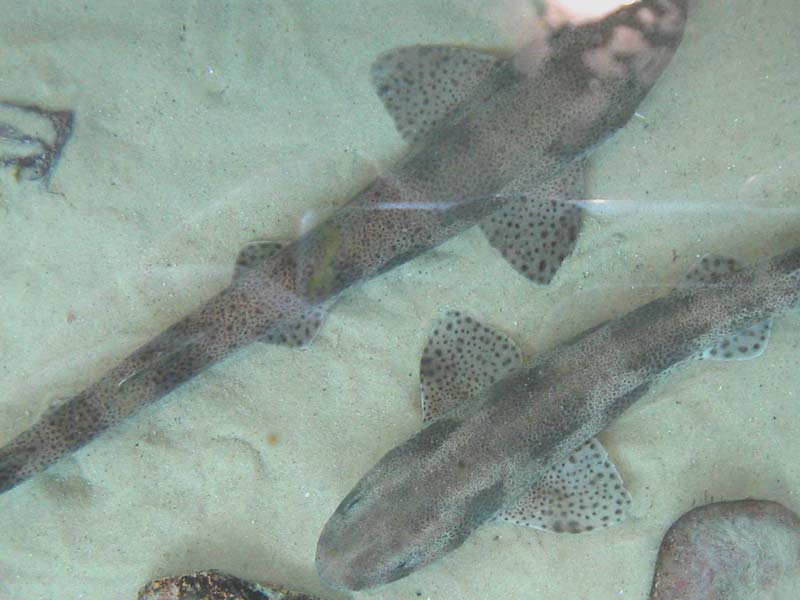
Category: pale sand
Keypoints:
(185, 149)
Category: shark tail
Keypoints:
(61, 430)
(146, 375)
(176, 355)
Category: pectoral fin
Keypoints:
(583, 493)
(421, 85)
(538, 228)
(462, 357)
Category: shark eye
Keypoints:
(407, 564)
(402, 569)
(350, 502)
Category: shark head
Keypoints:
(604, 66)
(406, 512)
(364, 544)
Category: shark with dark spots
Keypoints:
(495, 141)
(514, 442)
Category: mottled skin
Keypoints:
(215, 585)
(533, 115)
(427, 495)
(727, 550)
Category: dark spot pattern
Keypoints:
(254, 255)
(536, 232)
(487, 131)
(582, 493)
(421, 85)
(231, 319)
(745, 344)
(216, 585)
(715, 271)
(302, 331)
(536, 412)
(710, 269)
(461, 358)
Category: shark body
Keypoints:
(512, 441)
(496, 141)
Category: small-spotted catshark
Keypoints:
(514, 442)
(493, 140)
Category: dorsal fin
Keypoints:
(462, 357)
(420, 85)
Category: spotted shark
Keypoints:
(493, 140)
(513, 441)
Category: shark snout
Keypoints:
(336, 560)
(337, 578)
(356, 554)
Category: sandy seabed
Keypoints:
(204, 126)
